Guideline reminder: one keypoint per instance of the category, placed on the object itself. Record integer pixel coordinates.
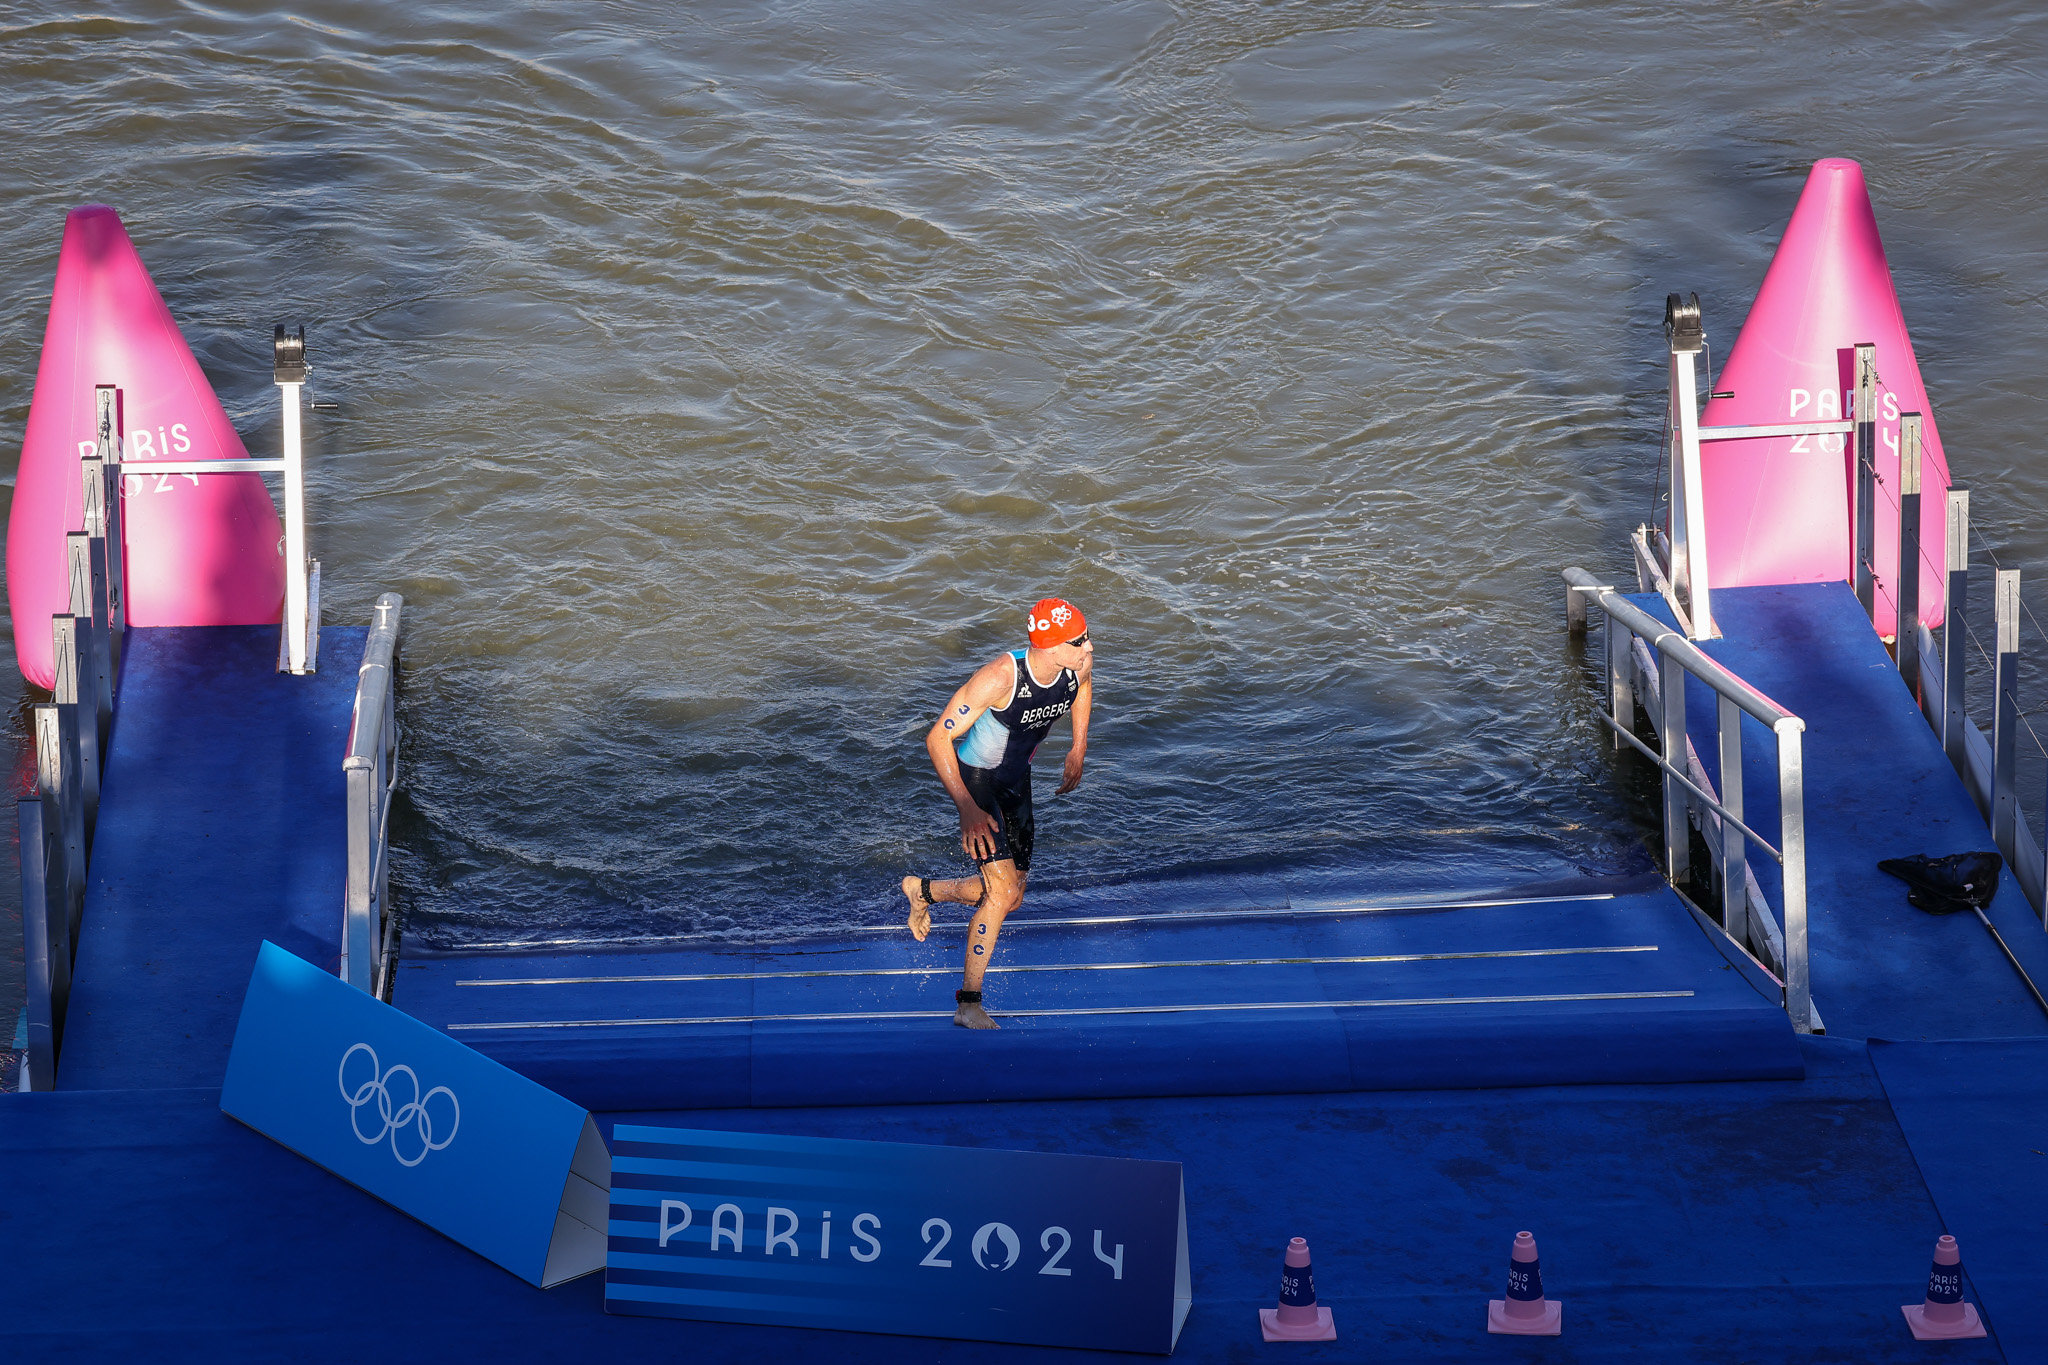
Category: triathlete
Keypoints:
(997, 720)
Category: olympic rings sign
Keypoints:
(403, 1114)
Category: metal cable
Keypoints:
(1993, 557)
(2040, 747)
(1940, 570)
(1971, 631)
(1940, 573)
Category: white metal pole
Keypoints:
(1954, 717)
(294, 532)
(2005, 723)
(1688, 493)
(1677, 828)
(1908, 643)
(1863, 512)
(1677, 561)
(1734, 863)
(290, 372)
(107, 403)
(1792, 845)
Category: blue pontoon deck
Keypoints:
(1737, 1100)
(1406, 1084)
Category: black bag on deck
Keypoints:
(1942, 886)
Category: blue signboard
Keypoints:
(1026, 1247)
(504, 1166)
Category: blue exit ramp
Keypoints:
(1614, 985)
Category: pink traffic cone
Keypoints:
(1297, 1318)
(1944, 1316)
(1525, 1312)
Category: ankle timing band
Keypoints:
(967, 997)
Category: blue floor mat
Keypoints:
(1877, 786)
(1602, 987)
(1740, 1222)
(221, 824)
(1976, 1116)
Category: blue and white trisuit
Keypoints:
(995, 756)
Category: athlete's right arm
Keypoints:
(990, 686)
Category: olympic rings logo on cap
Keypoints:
(392, 1118)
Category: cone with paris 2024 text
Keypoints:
(1944, 1316)
(1297, 1318)
(1525, 1312)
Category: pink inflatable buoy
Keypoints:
(202, 549)
(1778, 508)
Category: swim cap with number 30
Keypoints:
(1054, 621)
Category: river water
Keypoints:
(719, 385)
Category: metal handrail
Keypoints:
(1680, 657)
(72, 732)
(299, 638)
(370, 770)
(1666, 640)
(1704, 796)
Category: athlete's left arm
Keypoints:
(1077, 753)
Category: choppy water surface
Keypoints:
(719, 385)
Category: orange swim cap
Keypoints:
(1054, 621)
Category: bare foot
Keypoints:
(920, 910)
(973, 1016)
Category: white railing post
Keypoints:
(364, 769)
(57, 784)
(86, 557)
(1688, 338)
(93, 487)
(108, 455)
(1677, 829)
(1792, 847)
(1954, 720)
(1863, 573)
(1734, 867)
(289, 370)
(357, 931)
(2005, 718)
(1907, 643)
(46, 941)
(1621, 692)
(72, 658)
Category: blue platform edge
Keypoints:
(1750, 1221)
(1877, 786)
(191, 867)
(1976, 1115)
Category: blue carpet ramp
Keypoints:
(1976, 1116)
(1599, 987)
(222, 823)
(1877, 786)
